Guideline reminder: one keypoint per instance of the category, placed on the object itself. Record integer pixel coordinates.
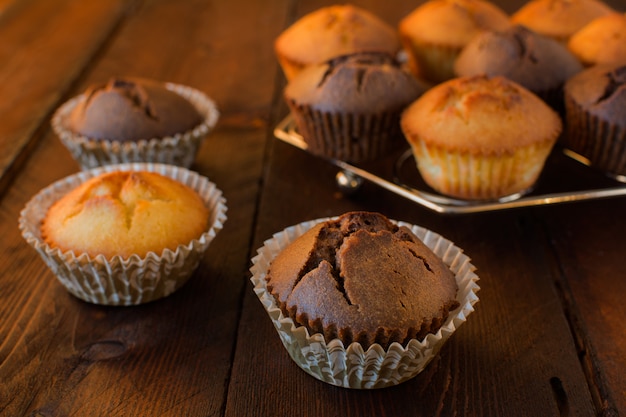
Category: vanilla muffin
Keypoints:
(435, 33)
(601, 41)
(361, 278)
(480, 138)
(124, 214)
(124, 234)
(536, 62)
(559, 19)
(349, 107)
(332, 31)
(595, 101)
(131, 119)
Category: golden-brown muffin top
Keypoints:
(336, 30)
(559, 19)
(601, 41)
(482, 115)
(452, 22)
(125, 213)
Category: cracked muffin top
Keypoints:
(480, 115)
(361, 278)
(534, 61)
(600, 91)
(131, 109)
(368, 82)
(125, 213)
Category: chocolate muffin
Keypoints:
(361, 278)
(595, 103)
(130, 109)
(539, 63)
(135, 120)
(349, 107)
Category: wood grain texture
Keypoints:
(45, 47)
(518, 348)
(546, 338)
(60, 356)
(588, 247)
(503, 361)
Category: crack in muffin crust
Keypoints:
(362, 278)
(125, 213)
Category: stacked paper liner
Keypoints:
(180, 149)
(352, 367)
(118, 281)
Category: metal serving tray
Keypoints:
(576, 181)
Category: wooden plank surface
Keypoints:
(60, 356)
(546, 338)
(515, 356)
(505, 360)
(44, 47)
(588, 241)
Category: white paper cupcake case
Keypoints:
(118, 281)
(177, 150)
(352, 367)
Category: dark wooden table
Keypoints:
(548, 337)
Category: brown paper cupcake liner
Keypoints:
(118, 281)
(348, 136)
(352, 366)
(180, 149)
(603, 144)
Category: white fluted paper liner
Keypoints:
(120, 281)
(352, 367)
(180, 149)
